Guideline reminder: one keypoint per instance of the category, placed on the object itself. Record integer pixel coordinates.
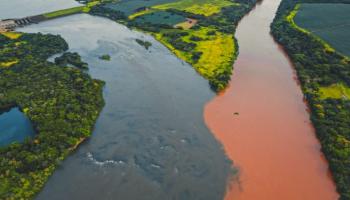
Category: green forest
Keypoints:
(318, 66)
(62, 103)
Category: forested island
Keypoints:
(200, 32)
(324, 74)
(61, 102)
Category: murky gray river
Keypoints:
(150, 141)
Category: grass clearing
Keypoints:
(217, 53)
(8, 64)
(330, 22)
(144, 12)
(161, 17)
(335, 91)
(130, 7)
(65, 12)
(12, 35)
(201, 7)
(189, 23)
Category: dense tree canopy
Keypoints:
(62, 103)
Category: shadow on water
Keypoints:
(150, 141)
(14, 126)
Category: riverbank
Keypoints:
(320, 67)
(263, 122)
(62, 104)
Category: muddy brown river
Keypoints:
(263, 122)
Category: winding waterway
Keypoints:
(150, 141)
(263, 122)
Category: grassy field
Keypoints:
(336, 91)
(330, 22)
(202, 7)
(217, 52)
(12, 35)
(70, 11)
(64, 12)
(161, 17)
(8, 64)
(128, 7)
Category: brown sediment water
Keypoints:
(263, 123)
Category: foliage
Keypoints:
(145, 44)
(71, 58)
(323, 73)
(160, 17)
(65, 12)
(210, 55)
(8, 64)
(62, 103)
(105, 57)
(200, 7)
(12, 35)
(335, 91)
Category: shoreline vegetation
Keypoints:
(62, 103)
(325, 80)
(200, 32)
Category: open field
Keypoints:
(216, 51)
(331, 22)
(12, 35)
(161, 17)
(8, 64)
(335, 91)
(64, 12)
(189, 23)
(129, 7)
(202, 7)
(70, 11)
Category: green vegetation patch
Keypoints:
(144, 43)
(161, 17)
(335, 91)
(72, 59)
(105, 57)
(65, 12)
(200, 7)
(62, 103)
(331, 22)
(209, 51)
(129, 7)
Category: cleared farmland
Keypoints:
(331, 22)
(129, 7)
(161, 17)
(201, 7)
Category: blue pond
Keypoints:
(14, 127)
